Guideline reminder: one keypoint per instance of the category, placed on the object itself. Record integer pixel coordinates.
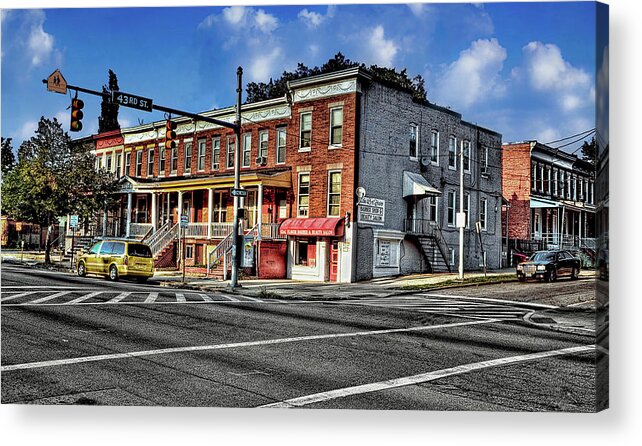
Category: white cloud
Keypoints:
(382, 51)
(265, 22)
(548, 134)
(265, 64)
(474, 76)
(27, 130)
(310, 18)
(39, 44)
(547, 69)
(418, 9)
(235, 15)
(63, 117)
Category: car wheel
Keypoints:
(113, 273)
(521, 278)
(82, 272)
(552, 275)
(575, 273)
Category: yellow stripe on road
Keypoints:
(424, 377)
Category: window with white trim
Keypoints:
(452, 153)
(555, 182)
(434, 147)
(303, 196)
(187, 156)
(174, 161)
(263, 144)
(119, 167)
(247, 149)
(334, 193)
(161, 162)
(139, 163)
(452, 210)
(128, 162)
(109, 165)
(413, 141)
(483, 212)
(467, 208)
(200, 164)
(150, 162)
(231, 148)
(336, 126)
(216, 152)
(432, 208)
(452, 256)
(466, 149)
(484, 160)
(280, 145)
(305, 134)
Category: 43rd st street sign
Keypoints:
(132, 101)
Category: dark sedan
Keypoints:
(549, 265)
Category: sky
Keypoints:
(526, 70)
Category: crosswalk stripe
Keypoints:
(120, 297)
(253, 299)
(151, 298)
(15, 296)
(82, 298)
(230, 298)
(205, 297)
(47, 298)
(180, 297)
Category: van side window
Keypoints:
(106, 248)
(94, 249)
(118, 249)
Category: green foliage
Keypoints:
(7, 158)
(589, 150)
(260, 91)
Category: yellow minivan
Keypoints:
(117, 258)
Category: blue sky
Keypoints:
(526, 70)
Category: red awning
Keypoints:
(312, 227)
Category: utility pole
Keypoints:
(237, 184)
(462, 219)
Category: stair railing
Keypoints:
(219, 251)
(164, 239)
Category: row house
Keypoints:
(347, 178)
(551, 196)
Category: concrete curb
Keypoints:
(557, 326)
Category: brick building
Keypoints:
(303, 157)
(551, 195)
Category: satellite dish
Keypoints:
(425, 161)
(361, 192)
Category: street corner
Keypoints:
(575, 320)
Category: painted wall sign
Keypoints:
(372, 211)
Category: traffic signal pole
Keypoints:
(236, 238)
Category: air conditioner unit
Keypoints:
(261, 160)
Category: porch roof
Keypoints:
(281, 178)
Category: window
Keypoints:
(201, 155)
(562, 183)
(547, 179)
(484, 160)
(280, 145)
(150, 162)
(263, 144)
(452, 212)
(231, 148)
(247, 148)
(466, 149)
(106, 249)
(483, 209)
(189, 251)
(413, 141)
(434, 147)
(387, 253)
(187, 156)
(336, 126)
(94, 249)
(220, 208)
(334, 193)
(482, 260)
(452, 256)
(555, 182)
(540, 178)
(432, 208)
(452, 153)
(109, 165)
(161, 162)
(533, 176)
(118, 249)
(304, 195)
(216, 152)
(174, 165)
(128, 162)
(466, 208)
(118, 170)
(305, 137)
(305, 252)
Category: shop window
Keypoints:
(306, 253)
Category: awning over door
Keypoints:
(538, 203)
(312, 227)
(415, 184)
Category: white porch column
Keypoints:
(180, 205)
(154, 212)
(129, 214)
(259, 216)
(210, 205)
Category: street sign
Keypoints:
(132, 101)
(239, 192)
(184, 221)
(57, 83)
(73, 221)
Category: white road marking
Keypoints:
(151, 298)
(485, 299)
(118, 298)
(164, 351)
(45, 299)
(180, 297)
(205, 297)
(43, 287)
(230, 298)
(81, 298)
(15, 296)
(253, 299)
(424, 377)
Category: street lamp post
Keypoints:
(237, 183)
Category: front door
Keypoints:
(334, 261)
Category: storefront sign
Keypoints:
(372, 211)
(312, 227)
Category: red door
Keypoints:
(334, 261)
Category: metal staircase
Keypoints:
(432, 242)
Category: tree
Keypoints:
(108, 119)
(8, 159)
(260, 91)
(589, 150)
(54, 176)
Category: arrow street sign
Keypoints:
(132, 101)
(239, 192)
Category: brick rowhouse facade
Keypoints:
(341, 130)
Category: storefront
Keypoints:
(314, 248)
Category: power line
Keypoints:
(572, 136)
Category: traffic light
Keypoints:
(76, 115)
(170, 134)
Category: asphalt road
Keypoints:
(70, 340)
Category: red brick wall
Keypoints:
(516, 187)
